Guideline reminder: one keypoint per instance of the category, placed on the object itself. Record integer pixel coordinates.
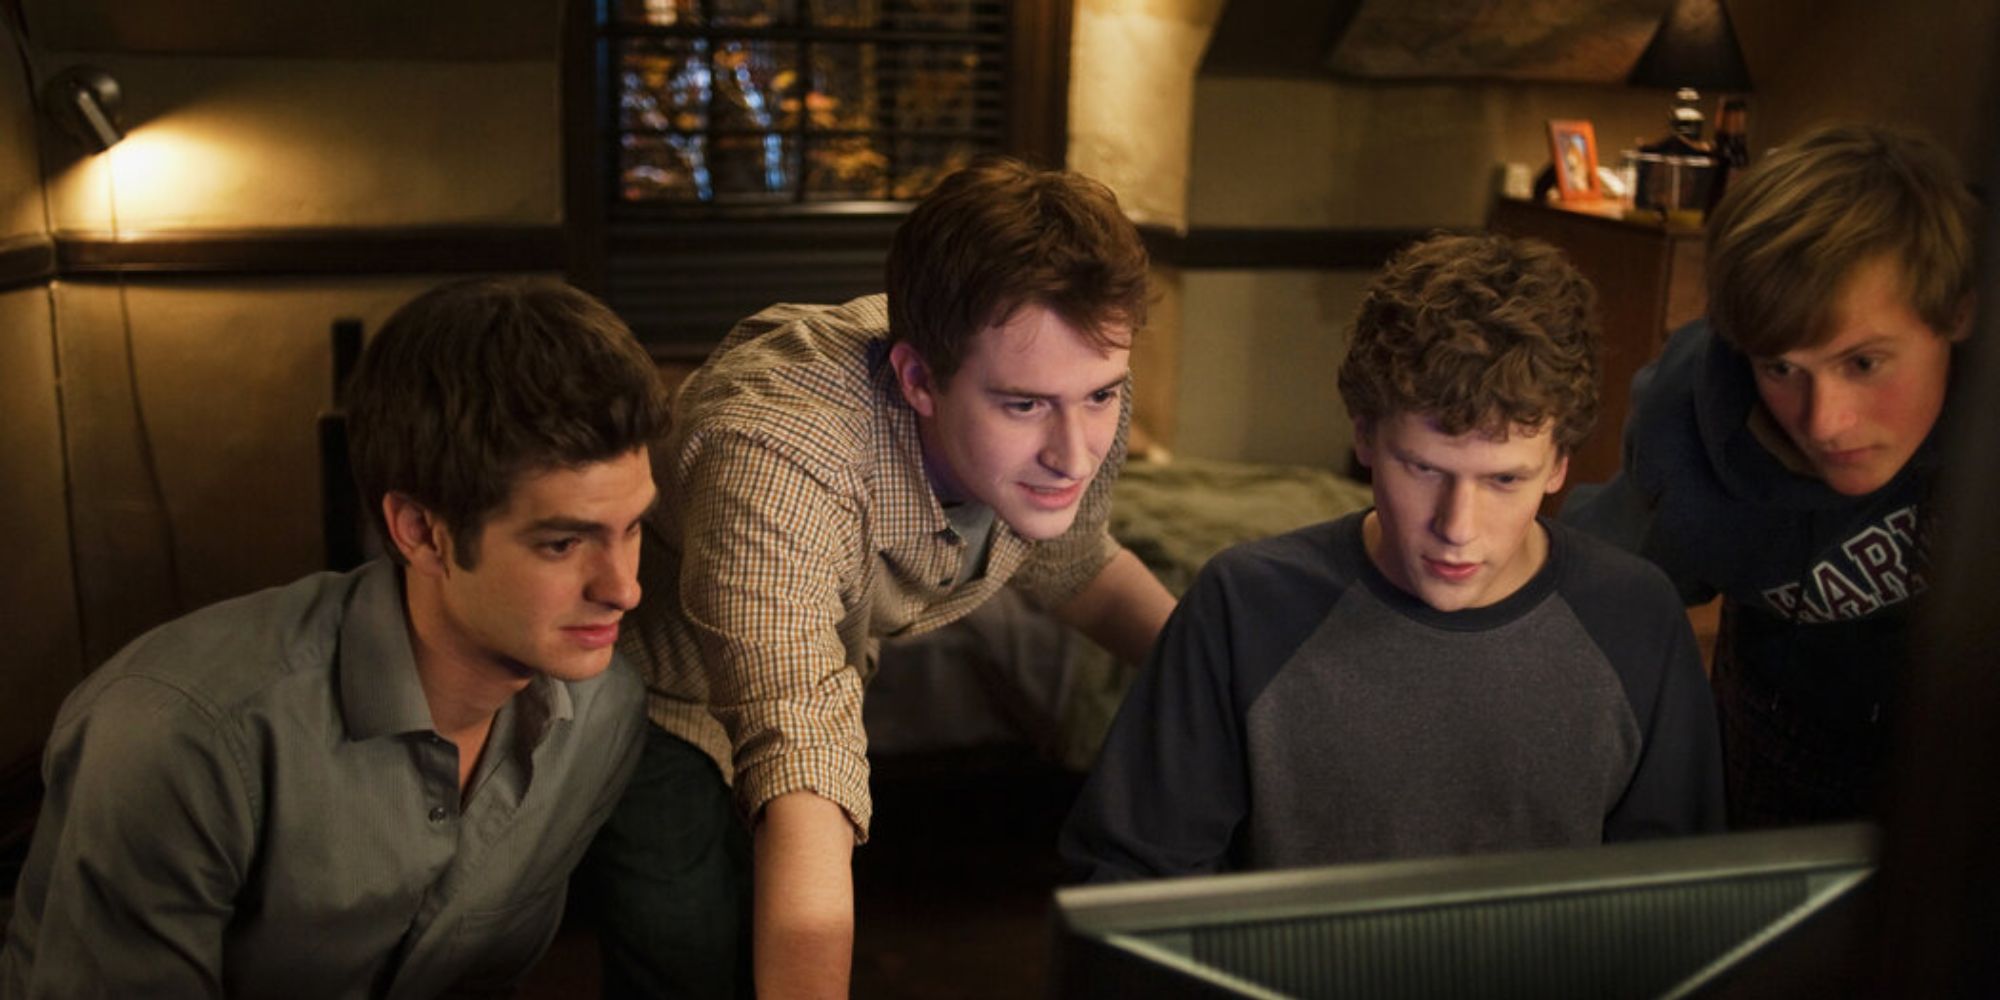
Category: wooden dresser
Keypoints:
(1649, 282)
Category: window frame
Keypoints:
(1035, 129)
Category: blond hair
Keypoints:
(1796, 226)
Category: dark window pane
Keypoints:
(665, 13)
(911, 15)
(946, 15)
(756, 85)
(844, 93)
(844, 13)
(663, 85)
(664, 168)
(936, 87)
(750, 13)
(706, 115)
(753, 168)
(850, 166)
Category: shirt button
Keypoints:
(438, 814)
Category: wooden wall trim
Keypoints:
(266, 252)
(1038, 53)
(26, 260)
(1337, 249)
(586, 120)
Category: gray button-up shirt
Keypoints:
(252, 800)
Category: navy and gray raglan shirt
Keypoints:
(1299, 709)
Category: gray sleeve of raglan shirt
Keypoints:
(1170, 792)
(1635, 616)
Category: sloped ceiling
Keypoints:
(1576, 41)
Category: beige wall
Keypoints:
(1320, 153)
(40, 655)
(192, 444)
(1132, 75)
(253, 143)
(1132, 78)
(1259, 349)
(20, 176)
(1297, 153)
(179, 443)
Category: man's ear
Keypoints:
(913, 375)
(1968, 313)
(1364, 442)
(417, 533)
(1556, 478)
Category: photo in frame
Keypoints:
(1573, 150)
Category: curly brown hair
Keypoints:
(1477, 332)
(999, 235)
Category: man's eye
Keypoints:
(1865, 363)
(1775, 369)
(1103, 396)
(1022, 406)
(1507, 481)
(560, 546)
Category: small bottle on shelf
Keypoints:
(1731, 147)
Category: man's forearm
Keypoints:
(804, 909)
(1122, 608)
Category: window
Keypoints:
(784, 101)
(728, 154)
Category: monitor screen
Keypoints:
(1664, 918)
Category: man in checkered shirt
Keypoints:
(835, 475)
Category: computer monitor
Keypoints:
(1669, 918)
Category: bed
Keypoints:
(1009, 673)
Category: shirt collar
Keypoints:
(543, 703)
(379, 691)
(912, 507)
(380, 694)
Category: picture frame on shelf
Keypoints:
(1573, 151)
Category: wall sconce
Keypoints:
(84, 102)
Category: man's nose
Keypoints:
(1455, 520)
(614, 580)
(1067, 450)
(1829, 411)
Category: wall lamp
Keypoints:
(84, 102)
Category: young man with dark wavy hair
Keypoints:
(1783, 453)
(837, 474)
(1446, 673)
(376, 783)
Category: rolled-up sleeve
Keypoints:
(770, 550)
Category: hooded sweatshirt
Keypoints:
(1819, 587)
